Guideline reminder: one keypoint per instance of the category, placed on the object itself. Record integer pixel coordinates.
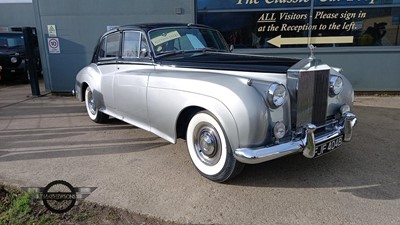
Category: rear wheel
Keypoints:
(91, 108)
(209, 148)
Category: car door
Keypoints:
(131, 78)
(107, 59)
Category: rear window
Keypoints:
(110, 46)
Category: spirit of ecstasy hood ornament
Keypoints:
(311, 47)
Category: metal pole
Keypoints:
(31, 60)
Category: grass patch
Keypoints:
(80, 217)
(20, 207)
(16, 207)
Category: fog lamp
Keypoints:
(279, 130)
(14, 60)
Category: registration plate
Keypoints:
(328, 146)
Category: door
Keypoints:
(107, 59)
(131, 78)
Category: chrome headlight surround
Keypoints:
(335, 85)
(276, 95)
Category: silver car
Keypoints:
(182, 81)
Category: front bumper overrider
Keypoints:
(306, 144)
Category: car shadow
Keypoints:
(59, 128)
(50, 143)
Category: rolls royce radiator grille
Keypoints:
(312, 97)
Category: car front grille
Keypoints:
(312, 98)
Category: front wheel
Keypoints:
(91, 108)
(209, 148)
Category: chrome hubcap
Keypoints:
(207, 144)
(91, 105)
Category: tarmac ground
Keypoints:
(49, 138)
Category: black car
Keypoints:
(12, 56)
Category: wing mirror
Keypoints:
(144, 53)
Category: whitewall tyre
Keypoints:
(91, 108)
(209, 148)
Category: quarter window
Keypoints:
(144, 48)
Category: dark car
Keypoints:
(13, 58)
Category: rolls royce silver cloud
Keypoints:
(182, 81)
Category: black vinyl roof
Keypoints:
(150, 26)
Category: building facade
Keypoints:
(360, 36)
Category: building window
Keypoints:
(296, 23)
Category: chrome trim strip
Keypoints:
(306, 144)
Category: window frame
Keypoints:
(103, 41)
(139, 59)
(123, 45)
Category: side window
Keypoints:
(110, 46)
(131, 44)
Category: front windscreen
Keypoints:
(178, 39)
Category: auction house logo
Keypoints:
(60, 196)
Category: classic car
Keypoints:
(182, 81)
(12, 56)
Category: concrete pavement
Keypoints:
(50, 138)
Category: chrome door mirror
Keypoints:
(144, 53)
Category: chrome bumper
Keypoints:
(77, 92)
(306, 145)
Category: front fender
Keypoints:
(164, 115)
(240, 109)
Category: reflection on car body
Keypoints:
(181, 81)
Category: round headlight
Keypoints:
(276, 95)
(335, 85)
(14, 59)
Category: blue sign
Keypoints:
(210, 5)
(354, 2)
(205, 5)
